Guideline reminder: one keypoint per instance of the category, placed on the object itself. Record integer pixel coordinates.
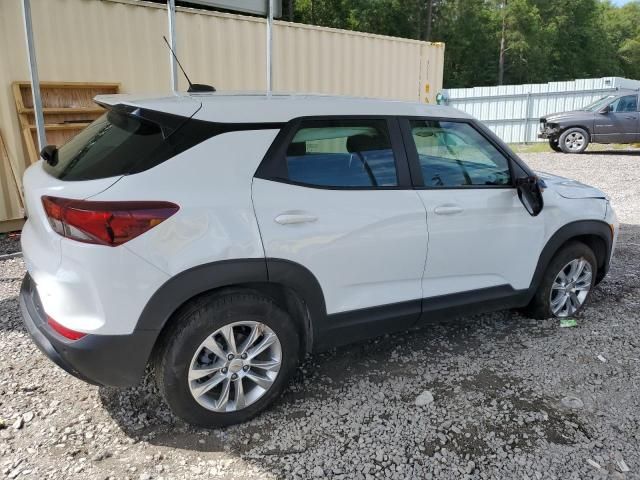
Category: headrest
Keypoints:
(365, 143)
(297, 149)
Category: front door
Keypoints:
(621, 124)
(481, 239)
(337, 199)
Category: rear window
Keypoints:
(128, 140)
(110, 146)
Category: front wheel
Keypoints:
(574, 140)
(566, 284)
(555, 146)
(226, 358)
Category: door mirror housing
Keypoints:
(530, 194)
(606, 110)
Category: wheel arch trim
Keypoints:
(566, 233)
(178, 290)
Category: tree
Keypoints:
(500, 41)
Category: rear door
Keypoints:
(481, 239)
(334, 195)
(621, 124)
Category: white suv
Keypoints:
(222, 237)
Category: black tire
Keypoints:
(200, 319)
(574, 140)
(540, 305)
(553, 143)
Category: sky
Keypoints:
(620, 2)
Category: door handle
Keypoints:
(447, 210)
(292, 218)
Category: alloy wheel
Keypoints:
(235, 366)
(571, 287)
(575, 141)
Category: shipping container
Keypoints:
(121, 41)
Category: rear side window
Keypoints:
(342, 153)
(454, 154)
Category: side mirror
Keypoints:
(530, 194)
(49, 155)
(606, 110)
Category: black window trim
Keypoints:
(273, 166)
(414, 162)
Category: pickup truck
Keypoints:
(612, 119)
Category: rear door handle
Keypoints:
(292, 218)
(447, 210)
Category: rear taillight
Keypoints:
(64, 331)
(104, 223)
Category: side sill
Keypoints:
(357, 325)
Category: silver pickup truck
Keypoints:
(612, 119)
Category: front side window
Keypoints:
(628, 103)
(342, 153)
(454, 154)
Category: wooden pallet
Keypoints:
(68, 107)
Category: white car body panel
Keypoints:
(82, 285)
(212, 185)
(366, 247)
(490, 242)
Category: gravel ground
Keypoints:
(491, 396)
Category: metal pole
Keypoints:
(526, 120)
(269, 44)
(33, 72)
(171, 12)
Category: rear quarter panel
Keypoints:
(211, 183)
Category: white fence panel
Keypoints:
(513, 111)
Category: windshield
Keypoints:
(599, 104)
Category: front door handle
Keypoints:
(447, 210)
(292, 218)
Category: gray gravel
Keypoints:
(491, 396)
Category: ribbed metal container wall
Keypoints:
(121, 41)
(513, 111)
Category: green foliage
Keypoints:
(544, 40)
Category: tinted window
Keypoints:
(628, 103)
(342, 153)
(599, 104)
(129, 140)
(454, 154)
(109, 146)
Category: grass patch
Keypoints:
(543, 147)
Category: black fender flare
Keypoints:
(565, 233)
(192, 282)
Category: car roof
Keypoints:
(259, 107)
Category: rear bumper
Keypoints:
(110, 360)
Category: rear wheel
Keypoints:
(226, 358)
(574, 140)
(555, 146)
(566, 284)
